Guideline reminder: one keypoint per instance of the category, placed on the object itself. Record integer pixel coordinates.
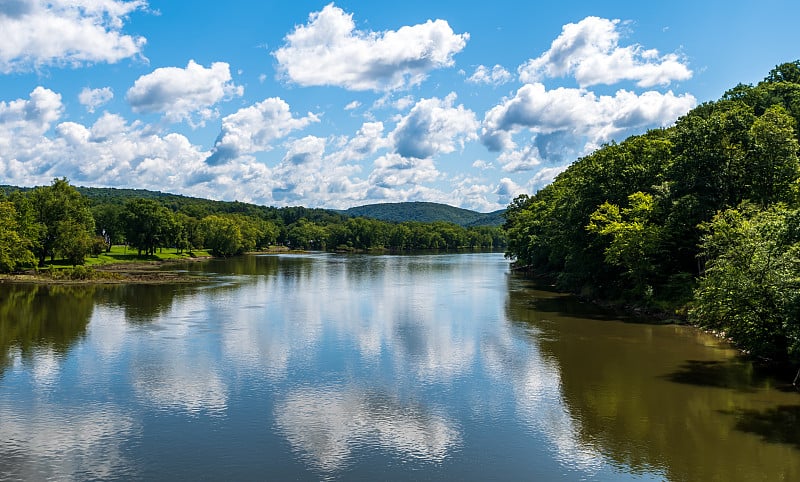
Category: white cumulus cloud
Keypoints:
(524, 159)
(393, 171)
(254, 128)
(94, 98)
(579, 113)
(38, 33)
(434, 126)
(481, 164)
(498, 75)
(506, 190)
(544, 177)
(182, 93)
(329, 50)
(589, 50)
(36, 145)
(307, 176)
(112, 152)
(368, 140)
(32, 116)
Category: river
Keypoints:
(372, 367)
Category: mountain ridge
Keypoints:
(421, 211)
(427, 212)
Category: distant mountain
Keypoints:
(426, 212)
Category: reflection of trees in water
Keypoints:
(50, 317)
(247, 265)
(142, 303)
(236, 265)
(642, 403)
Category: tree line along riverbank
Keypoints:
(48, 228)
(700, 219)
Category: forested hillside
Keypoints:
(701, 218)
(426, 212)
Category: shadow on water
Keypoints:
(738, 374)
(546, 299)
(779, 424)
(735, 375)
(569, 306)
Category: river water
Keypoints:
(362, 367)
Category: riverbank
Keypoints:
(122, 265)
(119, 265)
(148, 272)
(674, 315)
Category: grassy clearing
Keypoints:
(120, 265)
(123, 254)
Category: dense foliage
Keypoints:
(58, 222)
(751, 288)
(702, 215)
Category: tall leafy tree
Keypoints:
(14, 248)
(73, 241)
(774, 164)
(634, 239)
(109, 223)
(751, 289)
(786, 72)
(222, 234)
(51, 207)
(308, 235)
(147, 224)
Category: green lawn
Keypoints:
(123, 254)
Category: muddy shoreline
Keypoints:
(143, 272)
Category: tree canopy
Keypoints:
(699, 216)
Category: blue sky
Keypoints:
(348, 103)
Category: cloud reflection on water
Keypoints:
(361, 355)
(51, 442)
(535, 382)
(326, 425)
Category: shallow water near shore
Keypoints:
(323, 366)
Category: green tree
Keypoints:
(178, 232)
(222, 235)
(367, 233)
(268, 233)
(773, 165)
(305, 234)
(73, 241)
(786, 72)
(400, 237)
(14, 248)
(147, 224)
(751, 288)
(256, 233)
(108, 219)
(634, 239)
(53, 205)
